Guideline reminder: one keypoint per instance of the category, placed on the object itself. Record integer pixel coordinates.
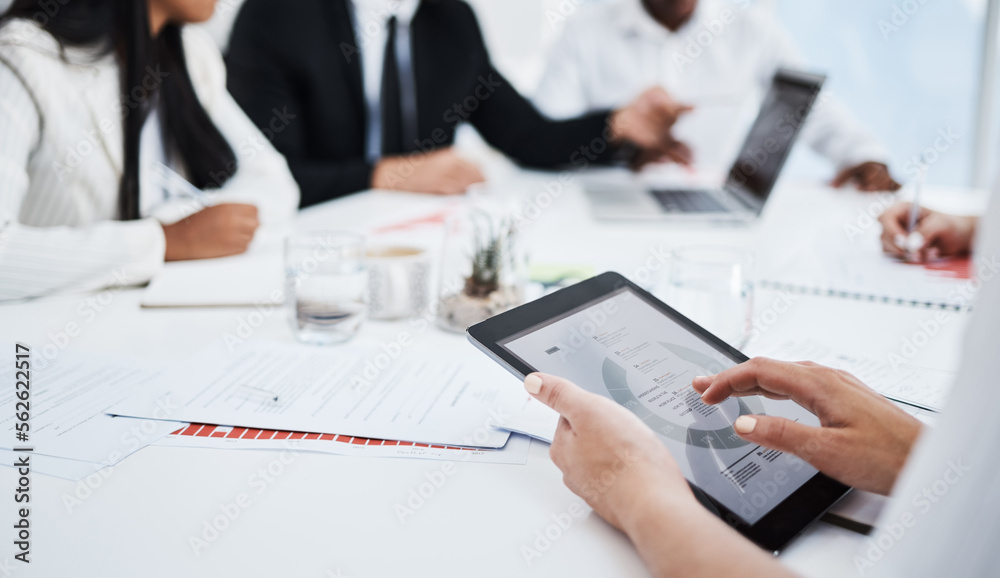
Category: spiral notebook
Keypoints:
(871, 276)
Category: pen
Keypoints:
(169, 180)
(914, 240)
(250, 390)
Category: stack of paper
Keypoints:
(916, 386)
(71, 435)
(535, 419)
(414, 396)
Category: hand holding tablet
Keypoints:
(609, 458)
(616, 341)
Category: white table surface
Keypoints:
(334, 516)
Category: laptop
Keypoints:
(751, 178)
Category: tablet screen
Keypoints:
(622, 347)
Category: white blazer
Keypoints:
(944, 518)
(61, 159)
(721, 61)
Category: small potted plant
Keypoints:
(483, 270)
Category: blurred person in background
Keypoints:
(715, 56)
(377, 88)
(94, 99)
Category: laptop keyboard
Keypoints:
(679, 201)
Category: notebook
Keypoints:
(947, 283)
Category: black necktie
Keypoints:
(398, 98)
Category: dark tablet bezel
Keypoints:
(772, 532)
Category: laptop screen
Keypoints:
(782, 114)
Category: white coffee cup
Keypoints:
(398, 281)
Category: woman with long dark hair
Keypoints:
(104, 104)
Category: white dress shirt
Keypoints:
(944, 519)
(61, 151)
(371, 32)
(721, 61)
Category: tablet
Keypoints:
(612, 338)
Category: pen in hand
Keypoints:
(173, 184)
(913, 241)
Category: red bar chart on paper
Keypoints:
(958, 268)
(226, 437)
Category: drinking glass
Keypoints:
(714, 287)
(326, 285)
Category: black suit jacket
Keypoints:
(295, 69)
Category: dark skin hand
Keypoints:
(868, 177)
(218, 231)
(646, 124)
(674, 152)
(943, 235)
(672, 14)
